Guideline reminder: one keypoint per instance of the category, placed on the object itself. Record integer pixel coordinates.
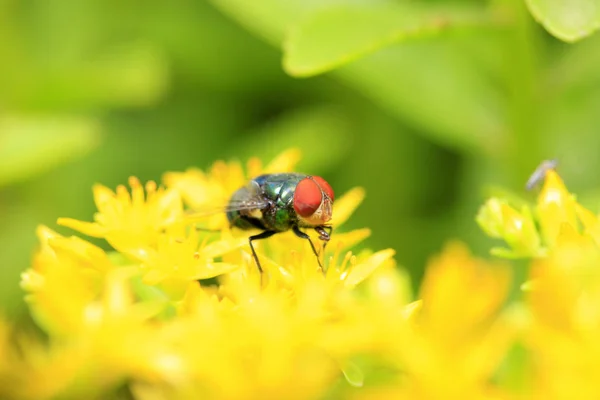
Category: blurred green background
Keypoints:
(423, 103)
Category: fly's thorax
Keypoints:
(278, 190)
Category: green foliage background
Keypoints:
(421, 102)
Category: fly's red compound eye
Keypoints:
(307, 197)
(324, 186)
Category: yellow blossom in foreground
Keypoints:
(176, 312)
(565, 302)
(9, 364)
(267, 344)
(63, 265)
(139, 316)
(457, 340)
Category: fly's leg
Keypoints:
(263, 235)
(324, 232)
(303, 235)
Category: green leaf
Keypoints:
(130, 75)
(33, 145)
(576, 70)
(271, 18)
(337, 35)
(433, 84)
(568, 20)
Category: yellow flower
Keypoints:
(589, 221)
(457, 339)
(181, 313)
(139, 315)
(555, 206)
(64, 279)
(563, 298)
(130, 222)
(10, 365)
(180, 257)
(565, 305)
(271, 343)
(105, 338)
(499, 220)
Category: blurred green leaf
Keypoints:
(271, 18)
(568, 20)
(18, 220)
(322, 133)
(571, 132)
(335, 36)
(33, 145)
(415, 81)
(128, 75)
(77, 55)
(432, 84)
(590, 199)
(576, 69)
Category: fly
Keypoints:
(275, 203)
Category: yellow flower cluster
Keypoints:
(562, 295)
(174, 312)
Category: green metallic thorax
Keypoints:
(276, 193)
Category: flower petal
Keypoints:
(555, 205)
(210, 270)
(346, 240)
(87, 228)
(360, 272)
(217, 249)
(346, 205)
(285, 162)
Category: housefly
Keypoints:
(275, 203)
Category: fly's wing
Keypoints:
(239, 205)
(246, 198)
